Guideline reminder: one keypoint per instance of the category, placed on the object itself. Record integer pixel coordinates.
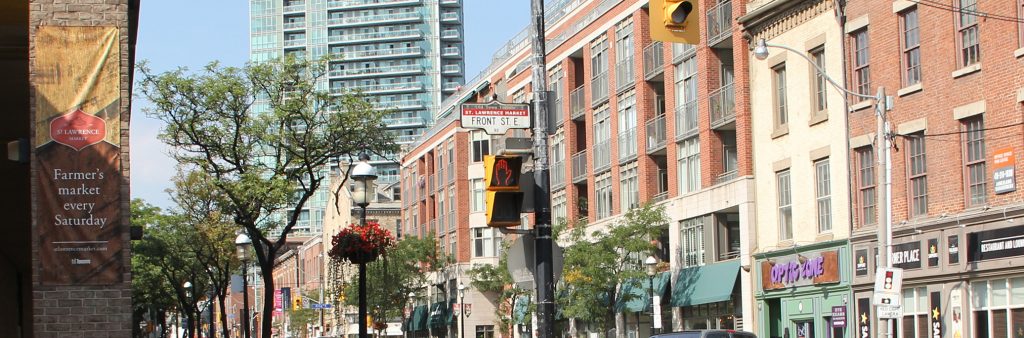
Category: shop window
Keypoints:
(915, 314)
(998, 307)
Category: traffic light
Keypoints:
(297, 303)
(504, 197)
(675, 21)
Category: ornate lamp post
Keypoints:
(412, 299)
(188, 294)
(463, 314)
(242, 247)
(651, 262)
(364, 176)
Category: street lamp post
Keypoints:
(363, 174)
(462, 307)
(242, 245)
(882, 141)
(650, 262)
(412, 307)
(191, 322)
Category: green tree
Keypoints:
(496, 279)
(152, 294)
(265, 135)
(600, 260)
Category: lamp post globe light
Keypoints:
(651, 264)
(364, 176)
(243, 247)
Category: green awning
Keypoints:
(634, 295)
(705, 284)
(439, 314)
(522, 306)
(418, 319)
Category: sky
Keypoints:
(192, 33)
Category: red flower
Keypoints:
(361, 243)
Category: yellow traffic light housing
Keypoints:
(504, 201)
(298, 303)
(675, 21)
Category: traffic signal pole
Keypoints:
(544, 277)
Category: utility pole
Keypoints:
(884, 175)
(542, 193)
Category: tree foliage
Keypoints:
(496, 279)
(264, 135)
(600, 260)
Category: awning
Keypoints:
(521, 308)
(418, 319)
(439, 314)
(635, 296)
(705, 284)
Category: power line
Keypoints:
(959, 132)
(951, 8)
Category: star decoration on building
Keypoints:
(935, 313)
(864, 318)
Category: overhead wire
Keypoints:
(951, 8)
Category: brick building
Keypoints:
(956, 78)
(57, 279)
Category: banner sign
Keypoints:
(1002, 175)
(933, 252)
(839, 316)
(953, 248)
(935, 315)
(278, 300)
(906, 255)
(77, 152)
(997, 243)
(863, 318)
(861, 264)
(800, 270)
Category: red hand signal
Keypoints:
(503, 172)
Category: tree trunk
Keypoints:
(221, 295)
(267, 274)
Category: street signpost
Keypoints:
(495, 117)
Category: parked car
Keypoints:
(707, 334)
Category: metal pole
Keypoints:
(462, 315)
(883, 174)
(362, 286)
(245, 300)
(209, 306)
(650, 278)
(542, 194)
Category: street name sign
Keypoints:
(890, 311)
(495, 117)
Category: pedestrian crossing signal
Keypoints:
(504, 201)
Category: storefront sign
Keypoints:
(861, 265)
(839, 316)
(77, 148)
(998, 243)
(806, 269)
(935, 315)
(933, 252)
(864, 318)
(1002, 176)
(278, 300)
(956, 312)
(906, 255)
(953, 248)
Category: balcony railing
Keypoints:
(653, 60)
(294, 25)
(295, 42)
(387, 70)
(577, 103)
(624, 73)
(599, 88)
(361, 37)
(381, 53)
(406, 138)
(602, 155)
(301, 7)
(579, 166)
(719, 22)
(370, 19)
(450, 34)
(722, 105)
(393, 122)
(450, 86)
(656, 133)
(432, 184)
(332, 4)
(557, 174)
(383, 88)
(451, 69)
(658, 197)
(450, 2)
(726, 176)
(399, 104)
(451, 51)
(450, 16)
(627, 145)
(686, 119)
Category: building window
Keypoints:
(691, 241)
(967, 26)
(486, 242)
(820, 98)
(974, 160)
(998, 307)
(599, 69)
(451, 209)
(779, 81)
(556, 79)
(624, 52)
(485, 331)
(627, 125)
(451, 161)
(915, 323)
(481, 146)
(785, 205)
(824, 194)
(441, 224)
(604, 196)
(686, 95)
(452, 247)
(629, 188)
(861, 69)
(477, 202)
(688, 165)
(602, 136)
(1020, 23)
(917, 169)
(558, 207)
(911, 41)
(866, 184)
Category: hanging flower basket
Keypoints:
(361, 243)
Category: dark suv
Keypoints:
(707, 334)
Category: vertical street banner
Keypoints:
(863, 318)
(77, 144)
(935, 314)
